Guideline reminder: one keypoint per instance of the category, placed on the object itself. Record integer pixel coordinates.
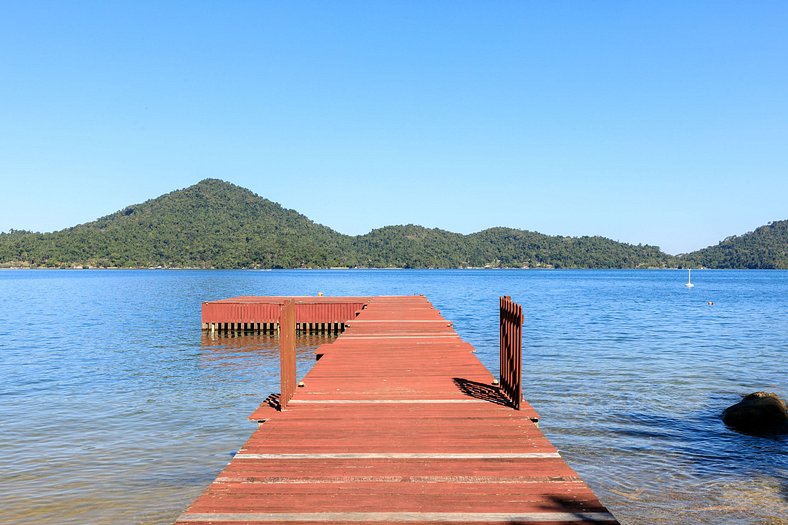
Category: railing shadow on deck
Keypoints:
(584, 512)
(273, 401)
(481, 391)
(594, 513)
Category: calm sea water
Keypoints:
(114, 408)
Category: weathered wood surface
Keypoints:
(397, 423)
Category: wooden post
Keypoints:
(287, 357)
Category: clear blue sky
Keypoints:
(647, 122)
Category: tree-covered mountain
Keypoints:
(411, 246)
(766, 248)
(525, 248)
(215, 224)
(211, 224)
(419, 247)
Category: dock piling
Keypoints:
(287, 357)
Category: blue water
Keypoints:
(115, 408)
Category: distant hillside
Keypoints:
(419, 247)
(411, 247)
(766, 248)
(211, 224)
(524, 248)
(215, 224)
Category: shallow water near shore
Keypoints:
(116, 408)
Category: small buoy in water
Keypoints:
(320, 294)
(710, 303)
(301, 384)
(495, 381)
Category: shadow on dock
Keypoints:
(273, 401)
(481, 391)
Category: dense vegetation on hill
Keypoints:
(215, 224)
(419, 247)
(524, 248)
(766, 247)
(211, 224)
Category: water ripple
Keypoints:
(114, 408)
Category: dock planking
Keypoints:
(398, 422)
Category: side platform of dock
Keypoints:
(398, 422)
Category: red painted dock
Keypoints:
(261, 314)
(398, 422)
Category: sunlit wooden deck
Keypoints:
(397, 422)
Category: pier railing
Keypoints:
(261, 314)
(511, 319)
(287, 354)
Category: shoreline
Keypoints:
(340, 269)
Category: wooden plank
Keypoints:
(406, 517)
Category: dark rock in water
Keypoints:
(758, 413)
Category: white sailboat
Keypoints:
(689, 278)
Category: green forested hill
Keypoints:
(215, 224)
(524, 248)
(419, 247)
(766, 247)
(210, 224)
(412, 247)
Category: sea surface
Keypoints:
(116, 408)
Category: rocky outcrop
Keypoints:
(758, 413)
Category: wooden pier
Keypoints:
(398, 422)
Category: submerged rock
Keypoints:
(758, 413)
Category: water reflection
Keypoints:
(243, 352)
(251, 340)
